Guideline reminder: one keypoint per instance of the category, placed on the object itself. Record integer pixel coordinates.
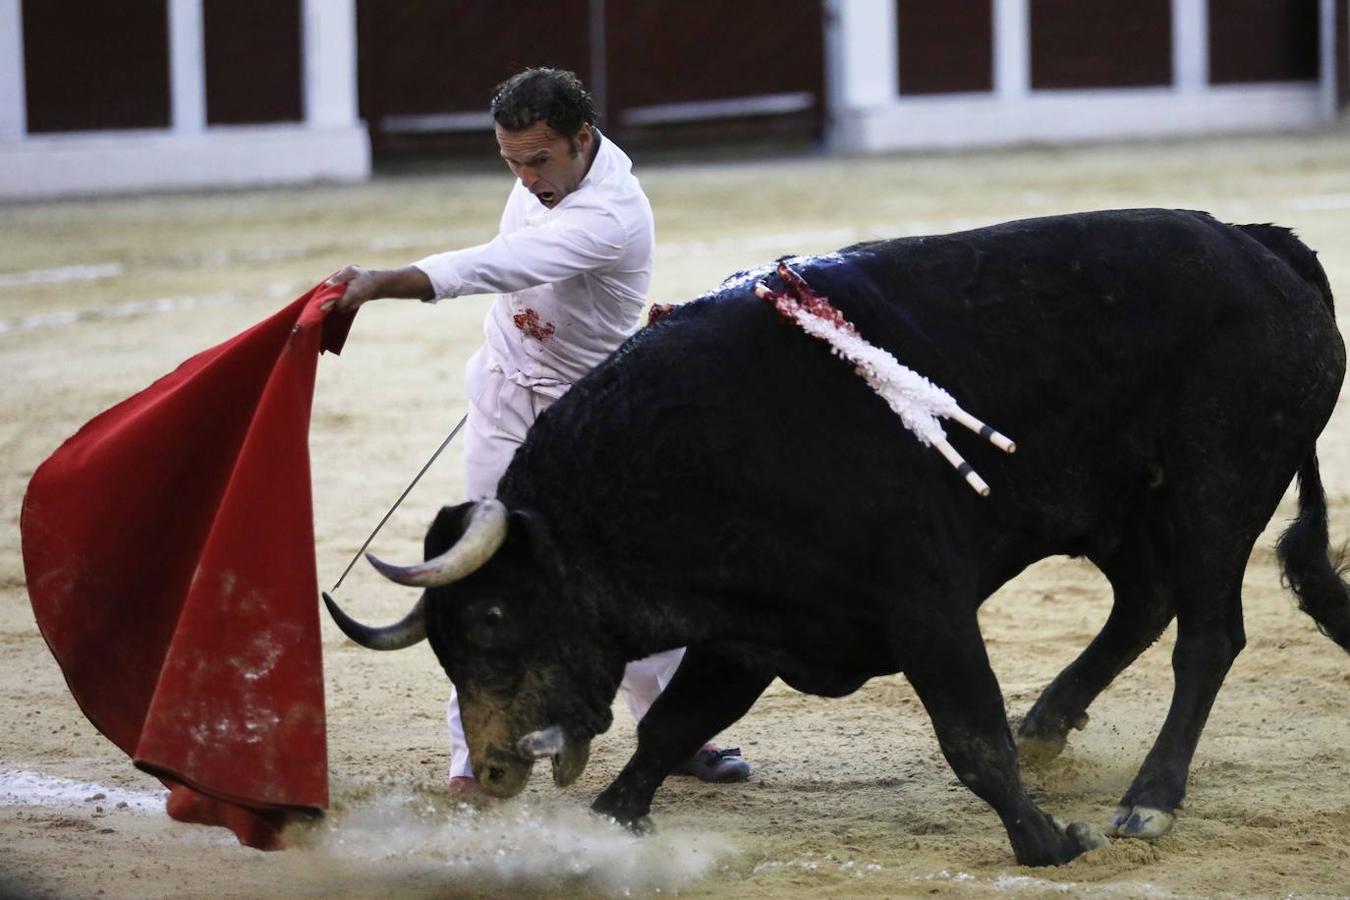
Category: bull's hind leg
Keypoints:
(1209, 637)
(1143, 607)
(1223, 490)
(709, 691)
(945, 660)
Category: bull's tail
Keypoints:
(1298, 255)
(1304, 549)
(1305, 556)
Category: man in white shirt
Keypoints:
(571, 266)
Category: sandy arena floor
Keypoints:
(850, 797)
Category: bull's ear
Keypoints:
(529, 525)
(446, 530)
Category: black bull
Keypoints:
(723, 483)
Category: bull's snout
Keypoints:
(502, 774)
(569, 756)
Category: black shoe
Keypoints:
(712, 764)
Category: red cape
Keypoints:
(169, 553)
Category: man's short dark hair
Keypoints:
(554, 96)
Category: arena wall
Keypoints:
(113, 98)
(98, 97)
(1156, 68)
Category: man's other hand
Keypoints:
(364, 285)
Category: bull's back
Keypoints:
(1078, 334)
(1066, 313)
(1073, 334)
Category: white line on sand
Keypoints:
(19, 787)
(118, 311)
(60, 317)
(84, 272)
(831, 238)
(1319, 201)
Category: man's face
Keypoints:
(544, 161)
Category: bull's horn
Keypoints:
(409, 630)
(482, 536)
(538, 744)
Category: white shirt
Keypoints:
(570, 281)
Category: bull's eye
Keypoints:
(493, 616)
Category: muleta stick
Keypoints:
(917, 401)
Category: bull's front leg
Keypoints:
(945, 661)
(709, 691)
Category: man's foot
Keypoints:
(712, 764)
(464, 787)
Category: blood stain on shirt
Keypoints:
(528, 322)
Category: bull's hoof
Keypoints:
(1143, 822)
(1064, 844)
(641, 826)
(1087, 837)
(611, 806)
(1039, 751)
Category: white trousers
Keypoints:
(500, 412)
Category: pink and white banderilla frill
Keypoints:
(917, 401)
